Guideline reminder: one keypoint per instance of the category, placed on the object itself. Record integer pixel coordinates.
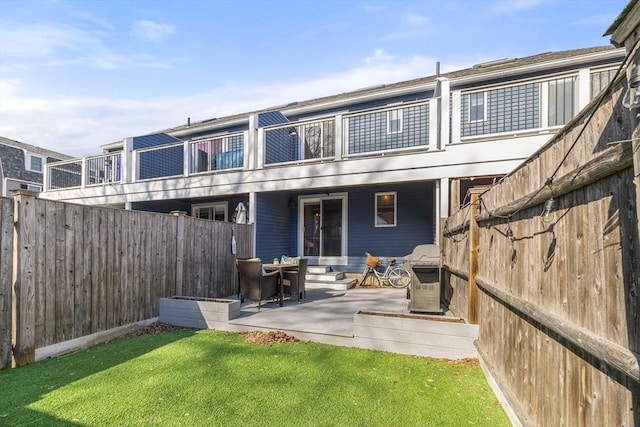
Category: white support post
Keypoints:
(433, 123)
(127, 165)
(456, 117)
(339, 141)
(253, 199)
(46, 177)
(84, 174)
(544, 105)
(257, 157)
(444, 112)
(584, 87)
(186, 158)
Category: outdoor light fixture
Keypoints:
(631, 97)
(293, 132)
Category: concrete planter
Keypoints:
(203, 313)
(433, 336)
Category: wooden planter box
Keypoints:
(203, 313)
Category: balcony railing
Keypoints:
(300, 141)
(102, 169)
(159, 162)
(219, 153)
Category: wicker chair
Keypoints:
(294, 280)
(255, 285)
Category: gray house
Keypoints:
(22, 166)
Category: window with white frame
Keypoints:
(31, 187)
(562, 101)
(477, 101)
(214, 211)
(34, 163)
(386, 209)
(394, 121)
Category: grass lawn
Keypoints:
(204, 378)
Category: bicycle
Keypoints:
(393, 274)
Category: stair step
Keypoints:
(318, 269)
(325, 277)
(338, 285)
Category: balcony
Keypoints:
(372, 132)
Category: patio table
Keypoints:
(281, 268)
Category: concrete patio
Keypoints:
(373, 318)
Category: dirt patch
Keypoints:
(154, 328)
(271, 337)
(468, 361)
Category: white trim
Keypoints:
(399, 118)
(584, 88)
(318, 198)
(456, 117)
(395, 209)
(28, 156)
(196, 207)
(484, 106)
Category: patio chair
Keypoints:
(254, 284)
(294, 280)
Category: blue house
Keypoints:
(376, 169)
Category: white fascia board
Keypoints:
(495, 157)
(539, 67)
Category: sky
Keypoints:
(77, 74)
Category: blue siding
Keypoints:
(273, 226)
(153, 140)
(415, 222)
(270, 118)
(276, 228)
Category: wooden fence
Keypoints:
(81, 270)
(6, 276)
(557, 290)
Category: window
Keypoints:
(394, 121)
(34, 163)
(31, 187)
(476, 106)
(213, 211)
(562, 99)
(386, 209)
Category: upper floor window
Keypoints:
(386, 209)
(394, 121)
(34, 163)
(213, 211)
(477, 102)
(562, 101)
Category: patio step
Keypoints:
(330, 276)
(318, 269)
(337, 285)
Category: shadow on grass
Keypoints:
(29, 384)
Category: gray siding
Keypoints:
(507, 110)
(368, 132)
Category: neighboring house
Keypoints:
(22, 166)
(376, 170)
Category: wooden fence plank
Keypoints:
(6, 280)
(23, 304)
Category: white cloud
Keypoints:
(78, 126)
(417, 20)
(152, 31)
(517, 5)
(379, 55)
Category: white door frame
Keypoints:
(318, 198)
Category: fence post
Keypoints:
(474, 253)
(23, 335)
(179, 250)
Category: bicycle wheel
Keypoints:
(399, 277)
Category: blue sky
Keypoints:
(78, 74)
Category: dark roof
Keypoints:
(476, 70)
(624, 24)
(13, 162)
